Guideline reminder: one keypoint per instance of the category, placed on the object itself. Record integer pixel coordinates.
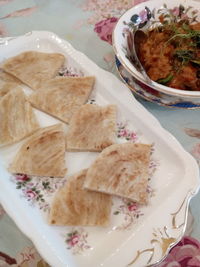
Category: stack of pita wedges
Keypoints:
(17, 118)
(120, 169)
(86, 198)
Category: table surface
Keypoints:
(74, 20)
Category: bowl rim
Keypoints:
(151, 100)
(136, 74)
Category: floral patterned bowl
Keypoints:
(142, 16)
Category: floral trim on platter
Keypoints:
(76, 240)
(124, 133)
(130, 210)
(70, 72)
(37, 190)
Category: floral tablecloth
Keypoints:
(87, 25)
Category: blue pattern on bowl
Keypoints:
(162, 99)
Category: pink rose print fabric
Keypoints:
(106, 14)
(185, 254)
(104, 29)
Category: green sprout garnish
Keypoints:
(165, 80)
(184, 56)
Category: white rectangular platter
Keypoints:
(136, 236)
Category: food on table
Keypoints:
(34, 68)
(171, 54)
(73, 205)
(42, 154)
(17, 119)
(62, 96)
(92, 128)
(121, 169)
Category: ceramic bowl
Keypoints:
(154, 96)
(143, 16)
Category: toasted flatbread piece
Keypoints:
(5, 87)
(7, 83)
(42, 154)
(62, 96)
(17, 119)
(73, 205)
(121, 169)
(6, 77)
(92, 128)
(34, 68)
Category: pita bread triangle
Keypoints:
(42, 154)
(92, 128)
(7, 83)
(73, 205)
(62, 96)
(17, 119)
(6, 87)
(122, 170)
(34, 68)
(6, 77)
